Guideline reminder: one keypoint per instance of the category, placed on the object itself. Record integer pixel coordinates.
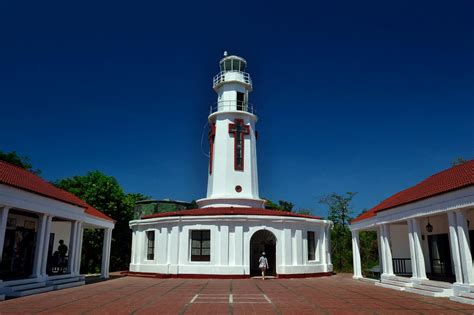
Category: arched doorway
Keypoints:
(263, 241)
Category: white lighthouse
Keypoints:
(233, 176)
(226, 235)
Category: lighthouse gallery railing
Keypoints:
(232, 105)
(224, 76)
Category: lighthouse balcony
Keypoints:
(233, 105)
(231, 76)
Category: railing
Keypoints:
(438, 266)
(222, 106)
(400, 266)
(58, 265)
(224, 76)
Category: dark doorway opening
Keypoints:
(440, 258)
(263, 241)
(19, 246)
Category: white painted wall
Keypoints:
(62, 231)
(230, 244)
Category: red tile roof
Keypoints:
(17, 177)
(456, 177)
(229, 211)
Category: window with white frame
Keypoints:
(201, 245)
(150, 252)
(311, 246)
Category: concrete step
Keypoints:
(428, 288)
(468, 295)
(444, 293)
(399, 279)
(29, 292)
(389, 286)
(394, 282)
(69, 285)
(27, 286)
(438, 284)
(461, 299)
(63, 280)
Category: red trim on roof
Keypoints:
(18, 177)
(454, 178)
(229, 211)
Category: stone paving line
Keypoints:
(338, 294)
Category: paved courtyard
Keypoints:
(329, 295)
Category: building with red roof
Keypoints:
(226, 235)
(41, 228)
(425, 235)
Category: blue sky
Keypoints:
(363, 96)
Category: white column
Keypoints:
(287, 250)
(387, 251)
(106, 253)
(3, 227)
(44, 260)
(411, 243)
(420, 259)
(454, 244)
(239, 246)
(224, 245)
(464, 249)
(357, 266)
(77, 262)
(329, 259)
(299, 247)
(382, 258)
(134, 247)
(40, 244)
(323, 247)
(379, 248)
(72, 247)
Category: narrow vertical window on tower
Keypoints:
(311, 246)
(150, 253)
(239, 130)
(201, 245)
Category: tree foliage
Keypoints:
(339, 212)
(282, 205)
(339, 207)
(18, 160)
(459, 161)
(105, 194)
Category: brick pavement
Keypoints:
(328, 295)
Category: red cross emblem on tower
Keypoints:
(239, 130)
(212, 137)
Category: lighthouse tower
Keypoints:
(233, 178)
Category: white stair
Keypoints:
(64, 283)
(38, 288)
(394, 282)
(390, 286)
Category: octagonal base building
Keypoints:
(226, 235)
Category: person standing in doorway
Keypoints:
(263, 264)
(62, 251)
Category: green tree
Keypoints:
(286, 205)
(458, 161)
(105, 194)
(339, 207)
(271, 205)
(339, 212)
(369, 251)
(305, 211)
(20, 161)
